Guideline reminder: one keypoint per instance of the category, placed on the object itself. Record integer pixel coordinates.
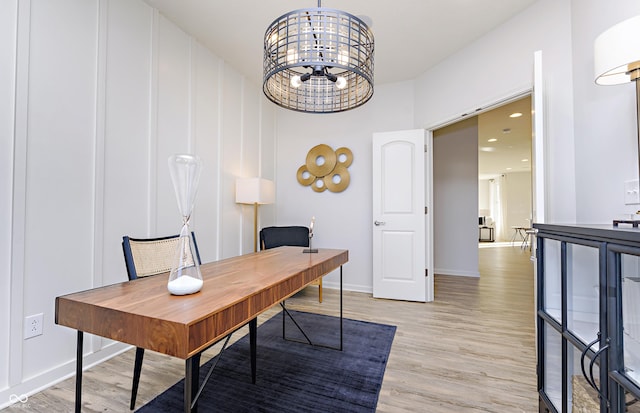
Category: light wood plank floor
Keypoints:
(472, 350)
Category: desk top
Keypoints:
(143, 313)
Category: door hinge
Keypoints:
(426, 272)
(426, 210)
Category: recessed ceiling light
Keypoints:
(487, 149)
(492, 140)
(508, 169)
(515, 115)
(525, 160)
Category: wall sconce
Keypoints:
(255, 191)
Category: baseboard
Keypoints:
(348, 287)
(20, 392)
(443, 271)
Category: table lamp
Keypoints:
(617, 59)
(255, 191)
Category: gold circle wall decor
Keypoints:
(325, 169)
(344, 156)
(304, 176)
(338, 180)
(321, 160)
(318, 185)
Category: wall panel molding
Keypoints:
(104, 91)
(19, 190)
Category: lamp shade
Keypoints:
(617, 53)
(255, 191)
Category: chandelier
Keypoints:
(318, 60)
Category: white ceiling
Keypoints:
(410, 35)
(511, 152)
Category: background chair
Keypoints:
(293, 236)
(148, 257)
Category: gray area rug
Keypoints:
(294, 377)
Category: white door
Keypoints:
(399, 226)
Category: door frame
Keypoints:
(477, 110)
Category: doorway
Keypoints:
(504, 171)
(482, 168)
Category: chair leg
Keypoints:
(320, 291)
(137, 367)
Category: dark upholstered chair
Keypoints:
(294, 236)
(148, 257)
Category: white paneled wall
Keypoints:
(60, 183)
(126, 157)
(104, 92)
(206, 101)
(8, 26)
(232, 84)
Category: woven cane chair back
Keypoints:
(145, 257)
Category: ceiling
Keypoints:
(410, 35)
(511, 152)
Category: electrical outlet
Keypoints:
(33, 325)
(631, 192)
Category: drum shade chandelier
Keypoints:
(318, 60)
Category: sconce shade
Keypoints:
(318, 61)
(255, 191)
(617, 53)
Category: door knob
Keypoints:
(378, 223)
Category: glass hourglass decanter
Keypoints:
(185, 277)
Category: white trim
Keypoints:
(152, 138)
(60, 373)
(7, 147)
(102, 14)
(518, 93)
(21, 128)
(347, 287)
(458, 273)
(219, 140)
(429, 240)
(192, 82)
(475, 110)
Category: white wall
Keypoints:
(343, 220)
(484, 200)
(605, 119)
(455, 199)
(499, 65)
(105, 91)
(518, 200)
(8, 27)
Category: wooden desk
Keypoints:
(235, 291)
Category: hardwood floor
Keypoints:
(472, 350)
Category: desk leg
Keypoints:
(341, 308)
(285, 312)
(253, 330)
(191, 383)
(79, 372)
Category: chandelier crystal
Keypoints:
(318, 60)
